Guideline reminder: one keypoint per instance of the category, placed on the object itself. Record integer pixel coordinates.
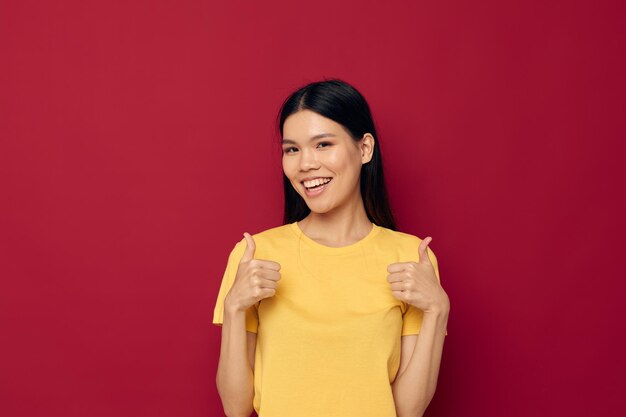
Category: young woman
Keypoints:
(334, 313)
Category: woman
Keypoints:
(334, 313)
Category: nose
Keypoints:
(308, 160)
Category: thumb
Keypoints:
(422, 250)
(250, 248)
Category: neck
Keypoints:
(339, 227)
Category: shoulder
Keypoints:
(404, 242)
(400, 238)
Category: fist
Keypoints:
(256, 279)
(416, 282)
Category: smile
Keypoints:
(317, 186)
(317, 181)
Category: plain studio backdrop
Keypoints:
(137, 144)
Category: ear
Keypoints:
(367, 144)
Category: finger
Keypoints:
(265, 264)
(248, 254)
(398, 266)
(396, 277)
(268, 274)
(266, 293)
(422, 250)
(398, 294)
(267, 283)
(398, 286)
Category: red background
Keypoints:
(137, 145)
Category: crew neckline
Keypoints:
(331, 249)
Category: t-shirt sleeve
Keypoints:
(252, 316)
(412, 317)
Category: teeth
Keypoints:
(315, 182)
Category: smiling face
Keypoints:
(320, 149)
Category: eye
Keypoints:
(286, 150)
(325, 143)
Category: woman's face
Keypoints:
(320, 149)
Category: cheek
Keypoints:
(290, 169)
(345, 163)
(286, 166)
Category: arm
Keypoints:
(255, 279)
(418, 284)
(414, 386)
(235, 377)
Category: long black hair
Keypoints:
(339, 101)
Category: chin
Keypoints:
(317, 205)
(313, 210)
(318, 209)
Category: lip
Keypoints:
(318, 191)
(311, 178)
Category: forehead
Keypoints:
(305, 124)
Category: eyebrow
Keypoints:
(321, 135)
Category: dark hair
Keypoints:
(342, 103)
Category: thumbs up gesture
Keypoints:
(256, 279)
(416, 282)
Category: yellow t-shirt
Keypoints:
(328, 341)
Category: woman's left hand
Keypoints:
(416, 283)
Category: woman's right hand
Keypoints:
(256, 279)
